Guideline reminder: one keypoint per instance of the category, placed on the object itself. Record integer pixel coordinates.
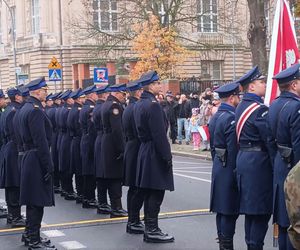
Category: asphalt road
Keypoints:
(184, 215)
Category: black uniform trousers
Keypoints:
(226, 225)
(79, 184)
(12, 196)
(34, 216)
(173, 131)
(114, 187)
(135, 200)
(102, 188)
(89, 186)
(67, 182)
(256, 227)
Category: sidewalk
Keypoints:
(187, 150)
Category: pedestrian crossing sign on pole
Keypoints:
(54, 74)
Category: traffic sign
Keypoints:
(54, 64)
(100, 75)
(54, 74)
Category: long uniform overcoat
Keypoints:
(153, 170)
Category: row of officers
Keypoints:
(254, 147)
(92, 137)
(46, 140)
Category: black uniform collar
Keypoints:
(89, 102)
(113, 98)
(226, 107)
(76, 104)
(35, 101)
(14, 104)
(100, 101)
(132, 99)
(288, 94)
(252, 97)
(148, 95)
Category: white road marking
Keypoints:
(43, 223)
(192, 172)
(182, 168)
(72, 245)
(192, 177)
(53, 233)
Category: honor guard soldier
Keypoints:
(50, 111)
(49, 102)
(224, 199)
(64, 148)
(37, 168)
(254, 168)
(10, 178)
(102, 188)
(154, 164)
(87, 147)
(112, 148)
(292, 192)
(284, 121)
(75, 133)
(135, 199)
(3, 211)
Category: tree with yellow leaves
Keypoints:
(157, 48)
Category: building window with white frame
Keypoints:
(207, 16)
(106, 14)
(35, 15)
(211, 70)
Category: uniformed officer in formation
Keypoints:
(224, 192)
(10, 178)
(254, 166)
(112, 148)
(154, 164)
(102, 188)
(284, 121)
(135, 199)
(75, 134)
(36, 184)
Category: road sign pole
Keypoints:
(55, 86)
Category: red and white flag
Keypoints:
(204, 132)
(284, 50)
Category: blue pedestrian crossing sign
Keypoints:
(100, 75)
(54, 74)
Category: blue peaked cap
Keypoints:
(148, 78)
(37, 84)
(13, 92)
(288, 74)
(250, 76)
(23, 90)
(77, 93)
(1, 93)
(66, 94)
(56, 96)
(49, 97)
(134, 85)
(102, 89)
(89, 89)
(117, 88)
(228, 89)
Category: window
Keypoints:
(35, 12)
(106, 14)
(207, 20)
(211, 70)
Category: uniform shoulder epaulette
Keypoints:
(154, 101)
(69, 108)
(92, 106)
(36, 106)
(79, 108)
(114, 102)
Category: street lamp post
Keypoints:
(14, 39)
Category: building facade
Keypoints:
(44, 29)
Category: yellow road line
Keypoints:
(104, 220)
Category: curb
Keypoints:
(196, 156)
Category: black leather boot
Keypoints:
(18, 222)
(70, 197)
(89, 204)
(79, 199)
(103, 208)
(153, 233)
(117, 210)
(249, 247)
(227, 244)
(134, 225)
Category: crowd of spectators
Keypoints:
(189, 116)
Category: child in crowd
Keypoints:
(194, 128)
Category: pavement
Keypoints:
(187, 150)
(184, 214)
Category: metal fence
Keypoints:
(191, 85)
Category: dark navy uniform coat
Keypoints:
(132, 144)
(65, 143)
(113, 142)
(254, 168)
(284, 120)
(99, 128)
(10, 150)
(88, 137)
(54, 153)
(59, 131)
(75, 133)
(224, 196)
(155, 152)
(35, 129)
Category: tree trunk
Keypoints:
(257, 34)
